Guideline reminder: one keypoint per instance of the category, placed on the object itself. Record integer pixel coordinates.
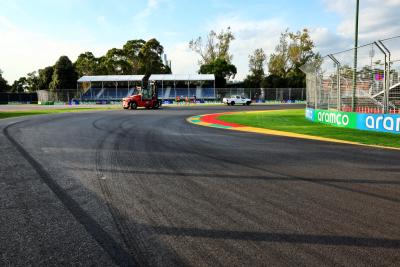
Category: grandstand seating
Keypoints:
(91, 93)
(192, 92)
(200, 93)
(167, 93)
(130, 91)
(115, 87)
(208, 93)
(99, 94)
(106, 93)
(182, 92)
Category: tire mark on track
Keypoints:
(115, 213)
(113, 249)
(156, 253)
(209, 152)
(192, 185)
(132, 233)
(217, 156)
(181, 203)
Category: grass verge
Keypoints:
(295, 122)
(10, 114)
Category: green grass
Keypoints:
(294, 121)
(10, 114)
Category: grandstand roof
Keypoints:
(111, 78)
(182, 77)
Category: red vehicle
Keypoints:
(147, 98)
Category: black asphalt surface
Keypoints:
(147, 188)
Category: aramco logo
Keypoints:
(334, 118)
(310, 114)
(383, 123)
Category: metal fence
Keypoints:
(64, 96)
(25, 98)
(264, 94)
(368, 84)
(116, 94)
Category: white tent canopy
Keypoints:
(182, 77)
(111, 78)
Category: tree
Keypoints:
(32, 81)
(279, 61)
(150, 60)
(256, 65)
(45, 77)
(257, 62)
(4, 87)
(293, 51)
(64, 76)
(216, 47)
(132, 49)
(214, 55)
(116, 62)
(221, 69)
(300, 48)
(20, 85)
(274, 81)
(102, 66)
(86, 64)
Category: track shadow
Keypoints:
(263, 178)
(326, 240)
(105, 240)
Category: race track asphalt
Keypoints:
(147, 188)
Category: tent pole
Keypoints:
(215, 97)
(116, 89)
(162, 89)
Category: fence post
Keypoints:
(387, 75)
(316, 91)
(353, 96)
(338, 91)
(385, 87)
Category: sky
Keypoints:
(35, 33)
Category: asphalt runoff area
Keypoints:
(147, 188)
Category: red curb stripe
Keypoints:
(212, 119)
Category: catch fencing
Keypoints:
(25, 98)
(63, 96)
(264, 94)
(364, 80)
(116, 94)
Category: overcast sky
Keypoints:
(35, 33)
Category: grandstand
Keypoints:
(109, 87)
(170, 86)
